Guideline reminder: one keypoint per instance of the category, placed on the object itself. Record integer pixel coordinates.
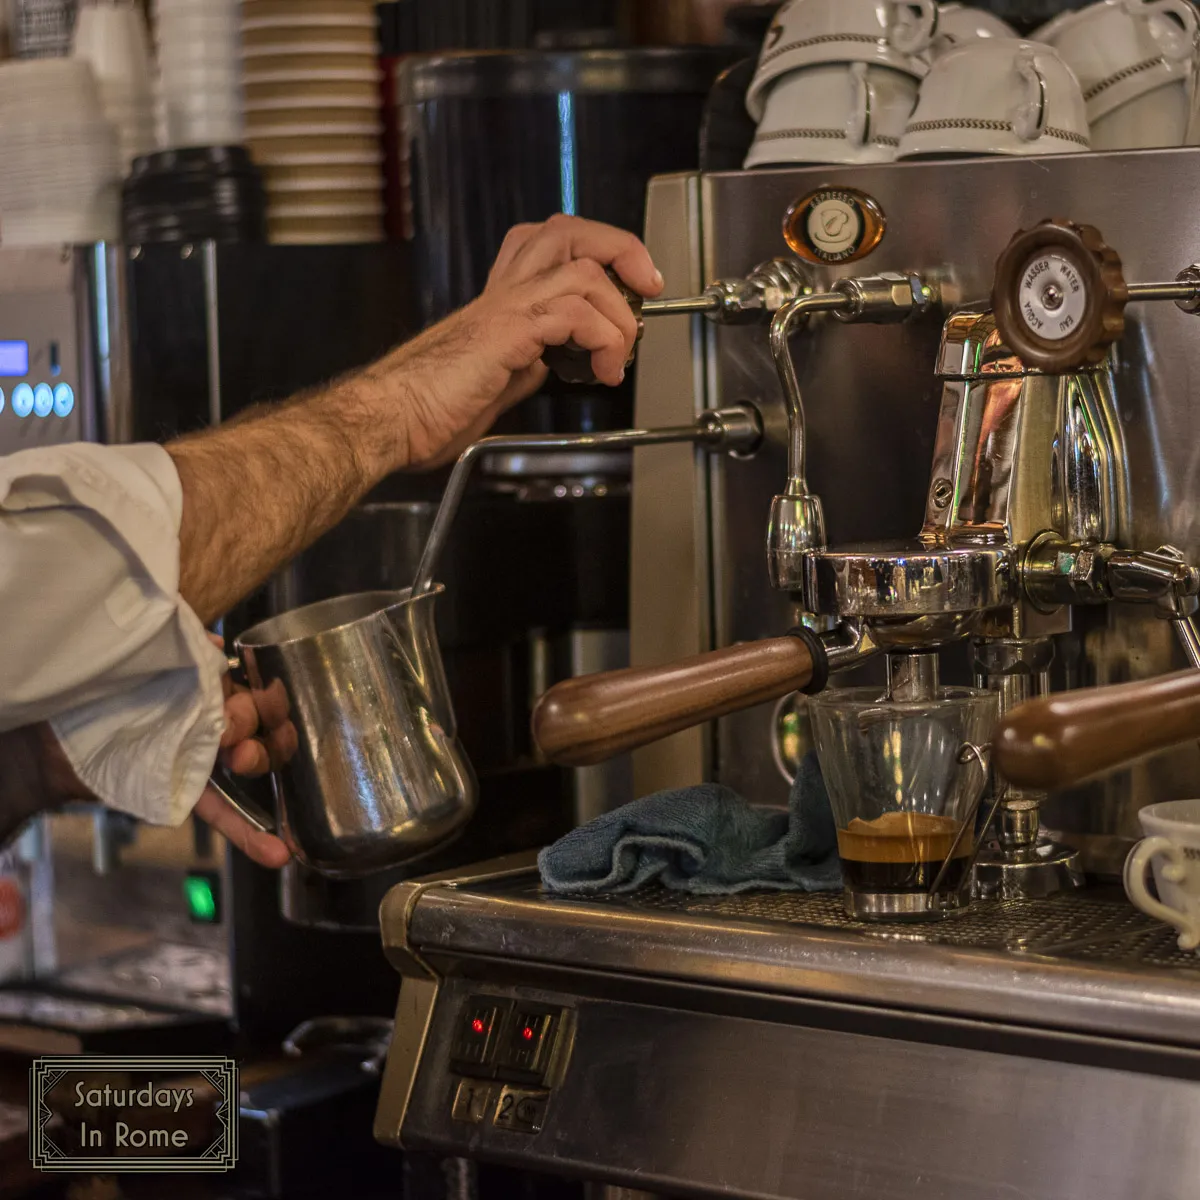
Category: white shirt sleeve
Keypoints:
(94, 636)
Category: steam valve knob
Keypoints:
(1059, 296)
(572, 363)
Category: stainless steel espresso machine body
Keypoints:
(879, 456)
(1045, 1044)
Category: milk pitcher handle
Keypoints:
(224, 784)
(1140, 859)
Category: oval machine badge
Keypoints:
(834, 225)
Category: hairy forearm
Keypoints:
(259, 490)
(34, 776)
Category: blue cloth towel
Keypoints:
(706, 840)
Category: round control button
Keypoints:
(1, 399)
(43, 400)
(22, 400)
(64, 400)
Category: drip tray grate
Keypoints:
(1096, 924)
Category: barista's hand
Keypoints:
(245, 754)
(548, 287)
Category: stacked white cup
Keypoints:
(199, 57)
(1171, 849)
(111, 35)
(997, 96)
(837, 79)
(1134, 61)
(958, 24)
(61, 174)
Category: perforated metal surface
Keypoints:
(1098, 924)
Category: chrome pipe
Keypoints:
(708, 302)
(786, 323)
(1184, 290)
(735, 429)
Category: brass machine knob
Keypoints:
(573, 364)
(1059, 296)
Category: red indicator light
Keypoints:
(477, 1025)
(527, 1034)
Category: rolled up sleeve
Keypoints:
(97, 639)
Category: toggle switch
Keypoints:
(477, 1035)
(528, 1044)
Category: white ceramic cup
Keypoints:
(958, 23)
(1172, 850)
(1153, 119)
(997, 96)
(809, 32)
(1120, 49)
(834, 113)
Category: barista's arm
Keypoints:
(108, 687)
(257, 491)
(34, 775)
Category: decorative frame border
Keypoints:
(221, 1155)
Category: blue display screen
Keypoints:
(14, 358)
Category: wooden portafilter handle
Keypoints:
(572, 363)
(596, 717)
(1060, 740)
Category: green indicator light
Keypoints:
(201, 900)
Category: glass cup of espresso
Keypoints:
(905, 780)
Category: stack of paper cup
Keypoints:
(60, 177)
(313, 117)
(111, 35)
(40, 28)
(199, 57)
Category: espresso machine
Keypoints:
(975, 468)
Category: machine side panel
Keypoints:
(669, 569)
(683, 1102)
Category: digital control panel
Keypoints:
(45, 351)
(506, 1058)
(33, 389)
